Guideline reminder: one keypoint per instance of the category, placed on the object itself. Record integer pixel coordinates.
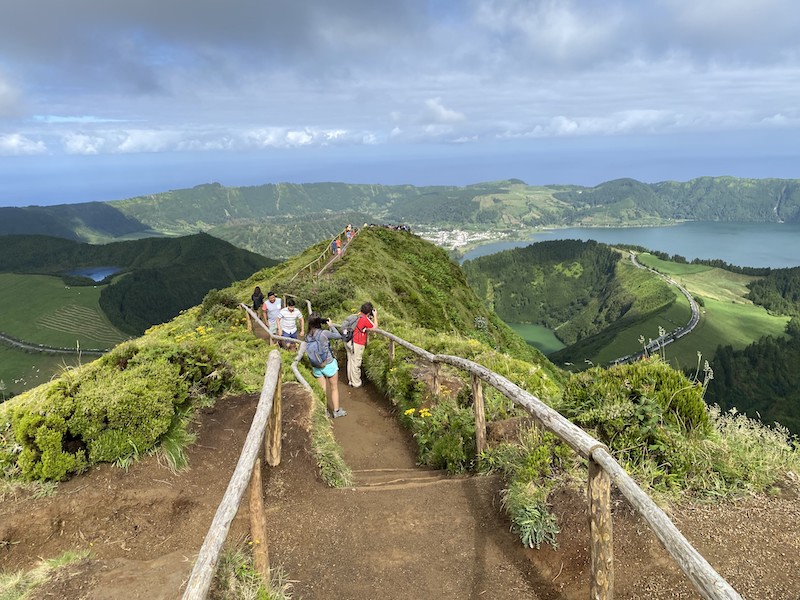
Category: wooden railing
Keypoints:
(267, 417)
(264, 431)
(317, 266)
(603, 469)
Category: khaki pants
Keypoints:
(355, 354)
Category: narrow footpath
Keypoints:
(401, 531)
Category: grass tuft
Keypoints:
(21, 584)
(237, 579)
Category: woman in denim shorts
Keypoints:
(328, 374)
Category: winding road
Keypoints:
(11, 341)
(670, 336)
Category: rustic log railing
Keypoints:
(313, 266)
(264, 431)
(603, 469)
(267, 417)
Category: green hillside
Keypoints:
(281, 220)
(577, 289)
(143, 395)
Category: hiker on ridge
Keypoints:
(323, 364)
(355, 349)
(287, 323)
(272, 310)
(258, 299)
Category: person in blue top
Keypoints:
(324, 366)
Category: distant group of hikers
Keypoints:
(337, 244)
(288, 322)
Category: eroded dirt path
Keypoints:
(401, 531)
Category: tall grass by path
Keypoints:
(41, 309)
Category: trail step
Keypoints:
(399, 478)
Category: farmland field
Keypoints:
(40, 309)
(728, 317)
(21, 370)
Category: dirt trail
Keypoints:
(401, 532)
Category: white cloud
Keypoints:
(436, 112)
(18, 145)
(79, 143)
(299, 75)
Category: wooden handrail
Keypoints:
(603, 468)
(206, 563)
(602, 465)
(316, 261)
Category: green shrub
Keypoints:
(220, 307)
(673, 399)
(329, 296)
(112, 409)
(530, 516)
(644, 412)
(445, 435)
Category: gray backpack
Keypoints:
(318, 350)
(348, 327)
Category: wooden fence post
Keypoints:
(480, 414)
(249, 322)
(391, 351)
(258, 525)
(601, 585)
(273, 438)
(436, 374)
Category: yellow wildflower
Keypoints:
(410, 411)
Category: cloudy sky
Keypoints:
(103, 99)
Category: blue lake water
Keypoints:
(775, 245)
(95, 273)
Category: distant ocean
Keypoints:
(580, 160)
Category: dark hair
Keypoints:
(257, 290)
(290, 302)
(270, 293)
(367, 308)
(315, 321)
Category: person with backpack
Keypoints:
(324, 366)
(367, 319)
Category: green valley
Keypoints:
(44, 307)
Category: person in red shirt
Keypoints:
(355, 349)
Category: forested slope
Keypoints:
(158, 277)
(763, 379)
(572, 287)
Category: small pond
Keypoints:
(94, 273)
